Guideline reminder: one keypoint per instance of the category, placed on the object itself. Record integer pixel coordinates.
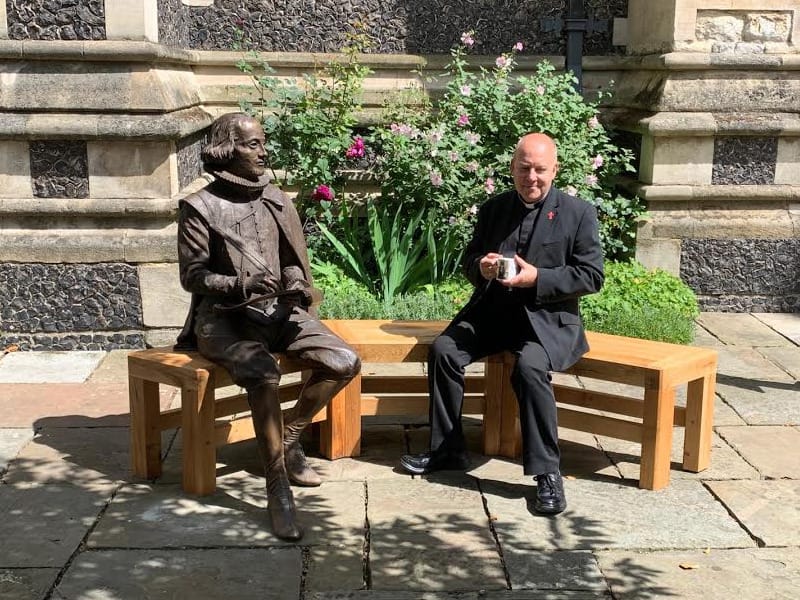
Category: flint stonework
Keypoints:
(48, 20)
(393, 26)
(743, 275)
(190, 166)
(41, 303)
(59, 169)
(744, 160)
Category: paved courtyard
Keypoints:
(75, 524)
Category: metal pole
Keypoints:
(575, 26)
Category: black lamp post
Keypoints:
(575, 26)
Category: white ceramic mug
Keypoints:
(506, 268)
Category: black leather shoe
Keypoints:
(550, 499)
(428, 462)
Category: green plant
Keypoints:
(453, 154)
(436, 160)
(638, 302)
(310, 124)
(397, 249)
(349, 299)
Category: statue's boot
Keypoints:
(315, 395)
(268, 424)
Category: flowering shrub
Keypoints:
(456, 156)
(435, 162)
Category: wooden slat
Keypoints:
(411, 404)
(412, 384)
(600, 424)
(623, 405)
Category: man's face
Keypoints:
(249, 156)
(534, 167)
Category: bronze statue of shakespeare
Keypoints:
(243, 257)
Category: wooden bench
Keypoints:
(656, 367)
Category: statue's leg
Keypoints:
(333, 364)
(315, 395)
(268, 424)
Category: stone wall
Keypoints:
(56, 19)
(393, 26)
(70, 307)
(104, 107)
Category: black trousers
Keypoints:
(481, 332)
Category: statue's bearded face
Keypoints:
(249, 156)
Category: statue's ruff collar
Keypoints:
(247, 184)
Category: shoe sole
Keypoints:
(418, 471)
(542, 510)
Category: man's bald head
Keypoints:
(534, 166)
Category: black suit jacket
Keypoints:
(564, 247)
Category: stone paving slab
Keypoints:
(771, 450)
(787, 324)
(26, 584)
(704, 338)
(68, 404)
(162, 516)
(431, 535)
(787, 359)
(407, 564)
(603, 514)
(48, 367)
(747, 368)
(581, 456)
(332, 568)
(113, 368)
(752, 573)
(381, 448)
(210, 574)
(553, 570)
(741, 329)
(725, 462)
(83, 456)
(449, 595)
(768, 509)
(770, 404)
(11, 442)
(43, 525)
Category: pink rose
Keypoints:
(463, 120)
(467, 39)
(488, 185)
(322, 192)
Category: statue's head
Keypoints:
(236, 145)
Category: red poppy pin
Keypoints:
(550, 215)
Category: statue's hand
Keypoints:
(259, 283)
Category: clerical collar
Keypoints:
(247, 184)
(534, 205)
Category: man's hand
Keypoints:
(488, 265)
(259, 283)
(525, 278)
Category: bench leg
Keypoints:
(199, 443)
(657, 423)
(501, 431)
(340, 433)
(145, 428)
(699, 423)
(493, 403)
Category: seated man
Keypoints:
(244, 259)
(552, 253)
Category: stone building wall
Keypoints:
(394, 26)
(104, 108)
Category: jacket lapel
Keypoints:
(545, 224)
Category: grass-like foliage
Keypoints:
(634, 302)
